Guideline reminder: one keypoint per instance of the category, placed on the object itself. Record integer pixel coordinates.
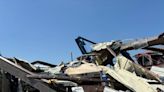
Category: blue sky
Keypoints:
(46, 29)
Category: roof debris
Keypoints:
(107, 67)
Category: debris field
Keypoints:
(106, 67)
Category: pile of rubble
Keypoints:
(107, 67)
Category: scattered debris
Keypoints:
(107, 67)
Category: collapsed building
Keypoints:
(107, 67)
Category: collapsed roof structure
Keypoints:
(108, 67)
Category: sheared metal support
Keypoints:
(21, 73)
(80, 41)
(143, 43)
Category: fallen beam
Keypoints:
(69, 78)
(21, 73)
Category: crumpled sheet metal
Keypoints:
(121, 73)
(126, 64)
(100, 46)
(130, 80)
(82, 69)
(55, 70)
